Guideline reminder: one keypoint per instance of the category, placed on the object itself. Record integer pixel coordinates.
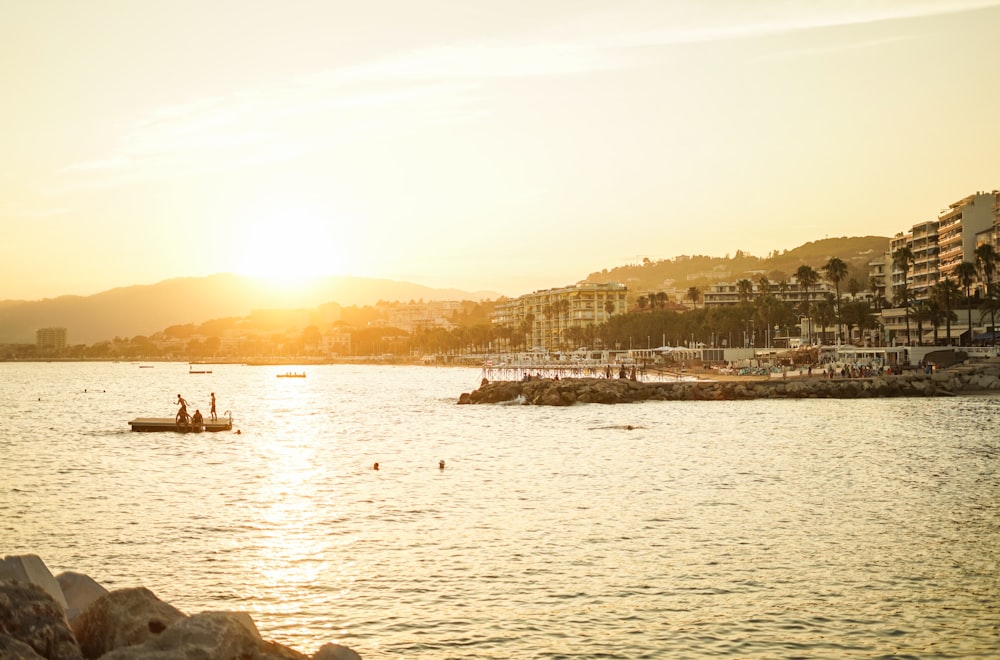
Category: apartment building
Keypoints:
(879, 274)
(959, 227)
(938, 247)
(727, 293)
(53, 339)
(547, 317)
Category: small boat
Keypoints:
(146, 366)
(174, 425)
(291, 374)
(199, 371)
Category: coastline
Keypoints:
(968, 378)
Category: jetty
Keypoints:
(967, 378)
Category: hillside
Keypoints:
(143, 310)
(683, 272)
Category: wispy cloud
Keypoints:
(448, 83)
(826, 50)
(18, 211)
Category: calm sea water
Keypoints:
(755, 529)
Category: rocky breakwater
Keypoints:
(72, 617)
(966, 378)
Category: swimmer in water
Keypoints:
(441, 465)
(375, 467)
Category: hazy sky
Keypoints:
(509, 146)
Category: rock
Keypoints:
(80, 591)
(122, 618)
(29, 615)
(335, 652)
(12, 649)
(208, 635)
(30, 569)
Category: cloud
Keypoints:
(450, 83)
(18, 211)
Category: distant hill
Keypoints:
(142, 310)
(683, 272)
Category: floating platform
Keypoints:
(170, 425)
(292, 375)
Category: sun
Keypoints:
(288, 246)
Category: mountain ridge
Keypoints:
(148, 308)
(143, 309)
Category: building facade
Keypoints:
(551, 319)
(959, 226)
(50, 339)
(727, 293)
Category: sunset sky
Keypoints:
(506, 146)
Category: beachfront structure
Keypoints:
(552, 319)
(420, 316)
(50, 338)
(959, 226)
(939, 246)
(727, 293)
(879, 271)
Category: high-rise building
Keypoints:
(959, 226)
(50, 338)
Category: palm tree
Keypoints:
(807, 278)
(694, 295)
(825, 314)
(903, 258)
(987, 259)
(641, 302)
(745, 289)
(765, 286)
(661, 299)
(935, 312)
(609, 306)
(966, 273)
(873, 284)
(920, 314)
(990, 305)
(853, 287)
(857, 312)
(946, 291)
(836, 270)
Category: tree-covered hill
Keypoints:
(685, 271)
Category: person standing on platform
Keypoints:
(212, 414)
(182, 414)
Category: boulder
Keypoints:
(31, 569)
(335, 652)
(123, 617)
(31, 617)
(208, 635)
(12, 649)
(80, 591)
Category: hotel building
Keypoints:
(545, 317)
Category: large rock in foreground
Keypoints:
(549, 392)
(125, 624)
(30, 618)
(208, 635)
(122, 618)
